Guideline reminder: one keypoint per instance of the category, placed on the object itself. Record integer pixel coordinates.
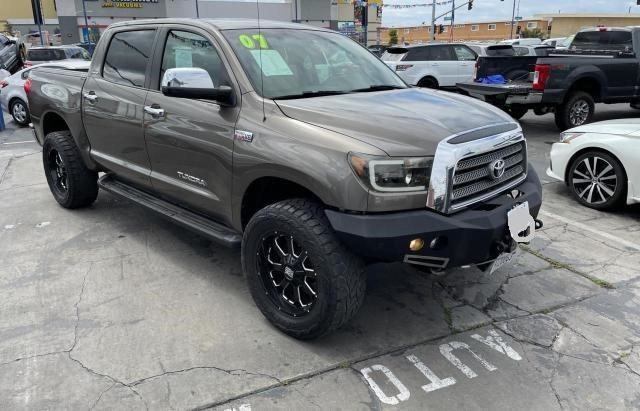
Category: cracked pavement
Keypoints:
(113, 307)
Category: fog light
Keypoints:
(416, 244)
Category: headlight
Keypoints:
(388, 175)
(567, 137)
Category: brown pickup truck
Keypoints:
(262, 137)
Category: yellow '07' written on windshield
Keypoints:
(249, 41)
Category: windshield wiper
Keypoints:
(380, 87)
(306, 94)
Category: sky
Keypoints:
(501, 10)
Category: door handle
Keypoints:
(155, 112)
(91, 96)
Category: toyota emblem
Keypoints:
(496, 169)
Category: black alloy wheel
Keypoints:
(58, 172)
(287, 274)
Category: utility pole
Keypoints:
(513, 18)
(433, 21)
(453, 17)
(86, 22)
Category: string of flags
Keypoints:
(378, 3)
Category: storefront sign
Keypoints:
(126, 4)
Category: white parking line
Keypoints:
(18, 142)
(621, 241)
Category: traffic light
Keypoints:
(441, 28)
(470, 5)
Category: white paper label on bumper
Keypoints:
(522, 226)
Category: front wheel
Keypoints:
(597, 180)
(301, 277)
(517, 112)
(577, 110)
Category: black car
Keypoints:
(12, 53)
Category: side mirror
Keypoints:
(195, 83)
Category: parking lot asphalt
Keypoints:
(111, 307)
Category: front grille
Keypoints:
(473, 177)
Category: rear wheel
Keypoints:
(577, 110)
(300, 276)
(20, 112)
(597, 180)
(72, 184)
(428, 82)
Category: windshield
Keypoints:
(306, 62)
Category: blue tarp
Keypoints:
(497, 79)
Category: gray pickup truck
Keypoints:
(296, 144)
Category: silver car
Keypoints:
(13, 98)
(50, 54)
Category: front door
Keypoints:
(190, 142)
(113, 103)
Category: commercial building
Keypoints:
(564, 25)
(17, 16)
(550, 25)
(493, 30)
(340, 15)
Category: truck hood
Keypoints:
(620, 127)
(407, 122)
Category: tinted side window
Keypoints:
(127, 57)
(3, 40)
(418, 54)
(188, 50)
(442, 53)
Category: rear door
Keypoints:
(190, 143)
(113, 105)
(466, 62)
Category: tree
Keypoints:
(393, 36)
(531, 34)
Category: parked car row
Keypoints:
(13, 98)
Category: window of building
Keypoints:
(459, 26)
(188, 50)
(491, 26)
(127, 57)
(475, 27)
(407, 31)
(532, 25)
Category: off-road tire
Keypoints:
(564, 111)
(81, 183)
(341, 282)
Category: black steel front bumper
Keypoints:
(473, 236)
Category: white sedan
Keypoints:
(600, 163)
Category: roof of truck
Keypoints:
(224, 24)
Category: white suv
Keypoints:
(432, 65)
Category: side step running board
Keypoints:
(208, 228)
